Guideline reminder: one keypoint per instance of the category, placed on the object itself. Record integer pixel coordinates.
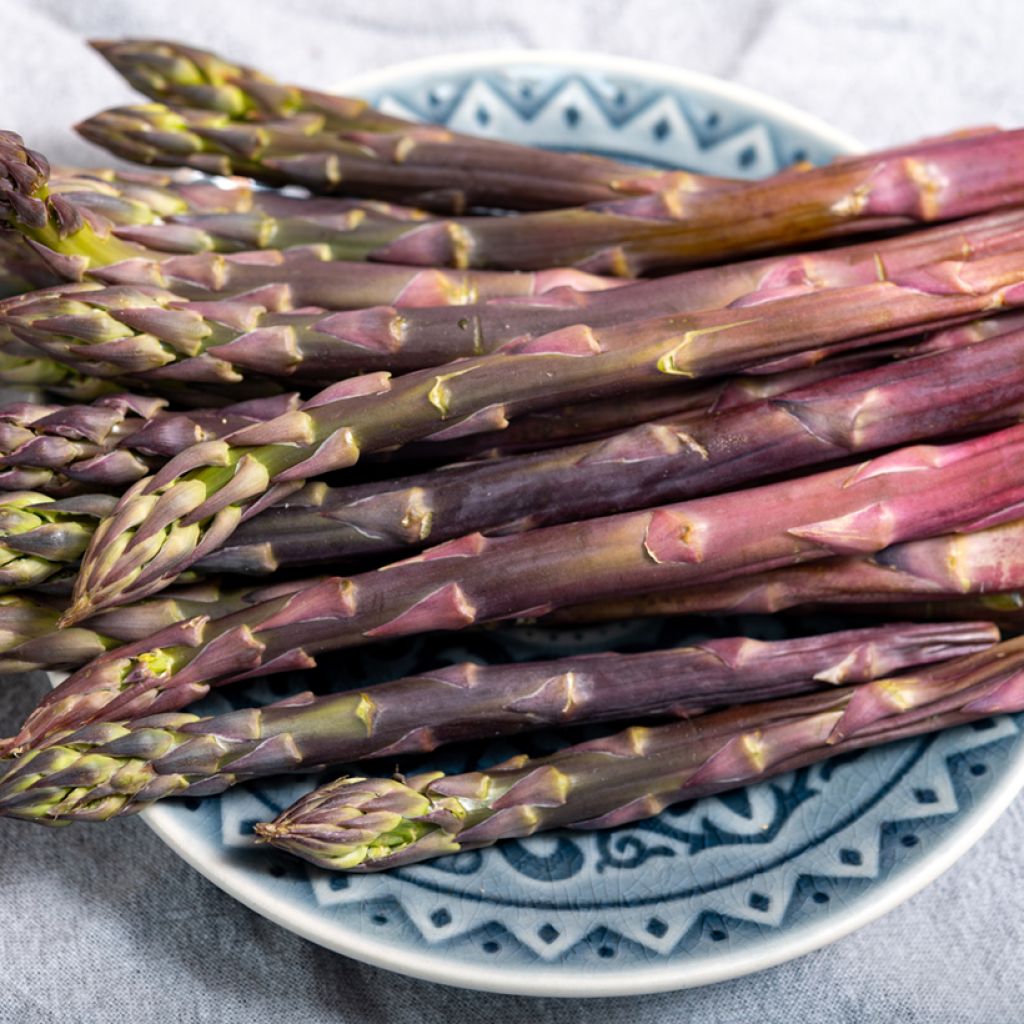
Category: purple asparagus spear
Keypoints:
(943, 179)
(984, 562)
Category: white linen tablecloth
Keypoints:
(105, 924)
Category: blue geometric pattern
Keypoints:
(715, 874)
(703, 881)
(611, 115)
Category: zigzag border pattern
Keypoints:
(617, 118)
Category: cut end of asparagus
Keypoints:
(358, 824)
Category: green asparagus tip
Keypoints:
(357, 824)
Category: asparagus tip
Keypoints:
(81, 609)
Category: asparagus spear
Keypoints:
(253, 221)
(30, 638)
(67, 451)
(156, 210)
(165, 523)
(379, 155)
(75, 215)
(110, 769)
(405, 333)
(939, 180)
(312, 344)
(24, 366)
(597, 419)
(954, 332)
(185, 213)
(396, 338)
(178, 214)
(983, 562)
(372, 231)
(909, 493)
(317, 523)
(73, 240)
(361, 824)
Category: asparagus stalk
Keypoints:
(487, 324)
(259, 337)
(74, 240)
(597, 419)
(983, 562)
(71, 217)
(67, 322)
(30, 638)
(373, 231)
(909, 493)
(54, 457)
(237, 215)
(939, 180)
(309, 277)
(346, 229)
(361, 824)
(110, 769)
(954, 333)
(24, 366)
(183, 212)
(166, 523)
(319, 523)
(379, 155)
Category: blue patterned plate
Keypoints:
(708, 890)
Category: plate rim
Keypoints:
(427, 965)
(561, 982)
(780, 110)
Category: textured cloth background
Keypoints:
(106, 924)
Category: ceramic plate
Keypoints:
(708, 890)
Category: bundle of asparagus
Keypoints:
(110, 769)
(205, 364)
